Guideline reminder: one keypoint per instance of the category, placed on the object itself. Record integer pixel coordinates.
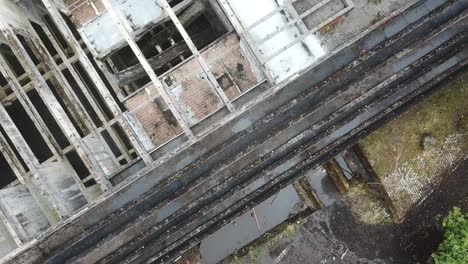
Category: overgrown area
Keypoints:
(366, 205)
(454, 248)
(271, 243)
(424, 127)
(412, 152)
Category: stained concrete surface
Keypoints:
(364, 14)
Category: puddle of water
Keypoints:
(323, 186)
(344, 167)
(244, 229)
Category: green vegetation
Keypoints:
(283, 232)
(454, 248)
(424, 127)
(366, 205)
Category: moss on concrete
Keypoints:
(412, 152)
(282, 233)
(423, 127)
(366, 206)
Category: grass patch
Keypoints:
(427, 125)
(366, 206)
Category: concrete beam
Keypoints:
(7, 243)
(75, 102)
(28, 106)
(89, 97)
(154, 78)
(56, 110)
(197, 55)
(8, 225)
(53, 207)
(94, 75)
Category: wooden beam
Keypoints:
(154, 78)
(197, 55)
(94, 75)
(166, 56)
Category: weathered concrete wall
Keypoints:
(11, 14)
(234, 125)
(22, 211)
(58, 177)
(101, 153)
(7, 244)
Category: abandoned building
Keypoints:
(132, 130)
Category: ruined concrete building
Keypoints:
(132, 129)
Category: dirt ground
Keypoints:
(335, 235)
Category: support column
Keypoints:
(197, 55)
(56, 110)
(94, 75)
(154, 78)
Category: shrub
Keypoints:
(454, 248)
